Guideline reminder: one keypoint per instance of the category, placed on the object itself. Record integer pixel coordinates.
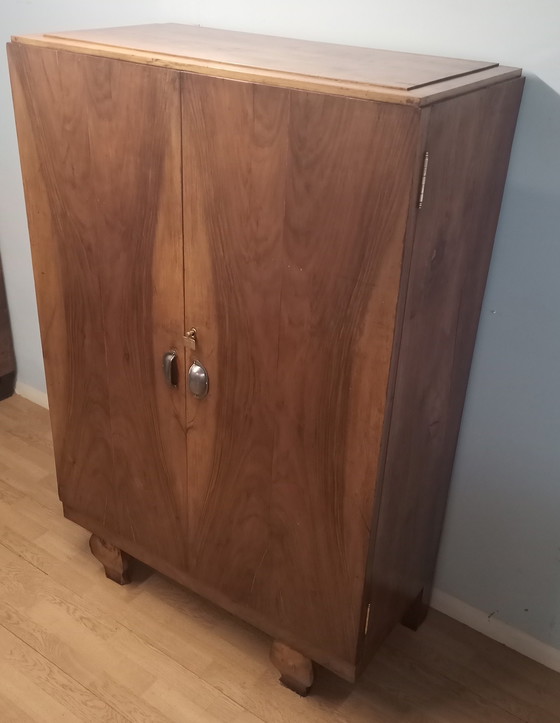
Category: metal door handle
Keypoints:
(198, 380)
(170, 370)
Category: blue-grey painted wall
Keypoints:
(501, 546)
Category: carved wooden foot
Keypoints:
(296, 671)
(416, 613)
(115, 561)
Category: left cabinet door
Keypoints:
(100, 146)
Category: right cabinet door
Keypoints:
(295, 209)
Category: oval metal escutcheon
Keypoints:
(198, 380)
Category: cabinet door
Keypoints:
(100, 147)
(295, 214)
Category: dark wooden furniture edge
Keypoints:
(415, 606)
(7, 385)
(7, 357)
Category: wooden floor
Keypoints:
(76, 647)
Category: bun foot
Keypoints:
(115, 561)
(296, 671)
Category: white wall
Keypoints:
(501, 548)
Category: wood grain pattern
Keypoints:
(74, 645)
(297, 64)
(7, 358)
(284, 55)
(104, 211)
(469, 143)
(283, 451)
(350, 173)
(234, 158)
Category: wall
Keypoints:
(501, 547)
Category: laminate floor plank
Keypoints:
(10, 712)
(26, 687)
(509, 682)
(79, 702)
(81, 661)
(60, 624)
(75, 646)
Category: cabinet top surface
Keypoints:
(360, 72)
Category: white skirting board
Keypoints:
(497, 630)
(34, 395)
(447, 604)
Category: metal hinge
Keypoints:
(423, 179)
(366, 626)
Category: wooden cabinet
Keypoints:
(323, 217)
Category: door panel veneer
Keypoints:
(234, 207)
(281, 455)
(349, 182)
(104, 210)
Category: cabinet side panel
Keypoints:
(469, 141)
(350, 171)
(100, 147)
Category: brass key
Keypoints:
(190, 339)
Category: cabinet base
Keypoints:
(341, 667)
(296, 671)
(114, 560)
